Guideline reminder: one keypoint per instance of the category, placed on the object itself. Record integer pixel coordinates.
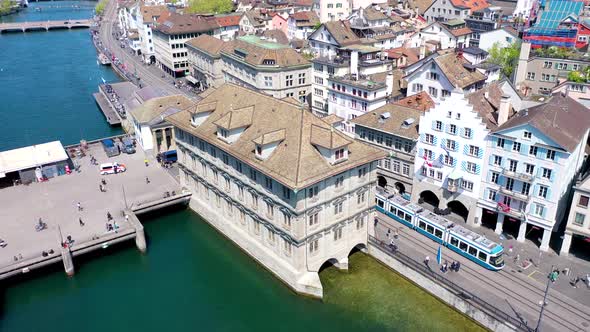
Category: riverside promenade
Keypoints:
(513, 291)
(55, 202)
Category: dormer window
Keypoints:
(268, 62)
(232, 124)
(267, 143)
(339, 154)
(202, 112)
(222, 133)
(332, 145)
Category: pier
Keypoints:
(44, 25)
(72, 232)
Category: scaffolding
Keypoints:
(557, 24)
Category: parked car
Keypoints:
(128, 146)
(112, 168)
(110, 148)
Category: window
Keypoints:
(268, 81)
(338, 208)
(500, 142)
(318, 67)
(313, 219)
(301, 77)
(227, 184)
(526, 187)
(406, 169)
(213, 152)
(287, 247)
(360, 198)
(289, 80)
(583, 201)
(546, 174)
(533, 150)
(330, 5)
(339, 182)
(286, 193)
(472, 251)
(253, 174)
(318, 92)
(360, 223)
(539, 210)
(547, 64)
(467, 132)
(313, 246)
(449, 114)
(495, 177)
(492, 195)
(254, 200)
(529, 169)
(530, 76)
(417, 87)
(337, 234)
(428, 154)
(432, 76)
(543, 191)
(497, 161)
(448, 160)
(454, 242)
(239, 166)
(215, 176)
(451, 145)
(268, 183)
(270, 210)
(579, 219)
(339, 154)
(473, 151)
(438, 125)
(319, 80)
(256, 227)
(513, 164)
(516, 147)
(396, 166)
(362, 172)
(433, 92)
(338, 5)
(445, 93)
(313, 192)
(471, 167)
(429, 138)
(453, 129)
(527, 135)
(458, 116)
(551, 154)
(467, 185)
(222, 132)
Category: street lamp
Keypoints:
(544, 303)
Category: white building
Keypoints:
(330, 37)
(332, 10)
(445, 36)
(504, 37)
(300, 25)
(229, 25)
(578, 221)
(445, 10)
(277, 181)
(532, 160)
(147, 17)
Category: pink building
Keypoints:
(279, 22)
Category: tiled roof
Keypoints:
(372, 14)
(185, 23)
(562, 119)
(154, 107)
(342, 33)
(397, 122)
(258, 51)
(307, 18)
(327, 137)
(420, 101)
(152, 13)
(276, 35)
(474, 5)
(228, 20)
(486, 102)
(461, 31)
(332, 119)
(452, 67)
(295, 162)
(207, 44)
(236, 118)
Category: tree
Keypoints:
(99, 9)
(6, 7)
(576, 76)
(505, 57)
(210, 6)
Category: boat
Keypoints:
(104, 60)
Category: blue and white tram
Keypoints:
(463, 241)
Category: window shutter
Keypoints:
(422, 137)
(544, 212)
(420, 153)
(477, 169)
(471, 134)
(539, 172)
(541, 152)
(435, 141)
(491, 160)
(548, 193)
(464, 165)
(465, 149)
(454, 162)
(462, 131)
(480, 153)
(434, 124)
(552, 177)
(536, 190)
(443, 143)
(489, 177)
(447, 127)
(524, 149)
(508, 145)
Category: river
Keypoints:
(191, 278)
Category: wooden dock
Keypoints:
(44, 25)
(112, 117)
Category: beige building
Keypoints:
(578, 222)
(204, 57)
(278, 181)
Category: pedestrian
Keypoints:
(574, 283)
(100, 187)
(453, 266)
(81, 222)
(445, 267)
(510, 251)
(109, 217)
(146, 162)
(79, 207)
(103, 181)
(457, 267)
(147, 180)
(426, 261)
(126, 217)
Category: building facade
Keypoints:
(276, 180)
(204, 57)
(578, 221)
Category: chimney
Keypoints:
(523, 59)
(354, 63)
(504, 110)
(389, 83)
(422, 52)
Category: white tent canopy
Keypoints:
(31, 157)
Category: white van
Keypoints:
(112, 168)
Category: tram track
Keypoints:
(518, 297)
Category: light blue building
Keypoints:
(532, 159)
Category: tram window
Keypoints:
(400, 214)
(482, 255)
(408, 218)
(454, 242)
(380, 203)
(497, 261)
(438, 233)
(422, 225)
(463, 246)
(472, 251)
(392, 210)
(430, 229)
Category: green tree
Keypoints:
(505, 57)
(6, 7)
(99, 9)
(576, 76)
(210, 6)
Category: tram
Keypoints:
(461, 240)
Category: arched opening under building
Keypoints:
(429, 198)
(534, 233)
(327, 264)
(489, 218)
(152, 59)
(457, 208)
(400, 188)
(361, 247)
(382, 181)
(580, 247)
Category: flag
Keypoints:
(103, 81)
(439, 256)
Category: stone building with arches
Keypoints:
(281, 183)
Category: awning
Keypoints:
(191, 79)
(455, 174)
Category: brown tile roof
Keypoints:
(393, 124)
(236, 118)
(420, 101)
(562, 119)
(186, 23)
(332, 119)
(461, 31)
(372, 14)
(342, 33)
(207, 44)
(256, 54)
(303, 3)
(452, 67)
(421, 5)
(486, 102)
(154, 107)
(295, 162)
(255, 17)
(306, 18)
(152, 13)
(411, 54)
(228, 20)
(274, 136)
(277, 35)
(328, 138)
(474, 5)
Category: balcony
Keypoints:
(514, 194)
(512, 212)
(517, 175)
